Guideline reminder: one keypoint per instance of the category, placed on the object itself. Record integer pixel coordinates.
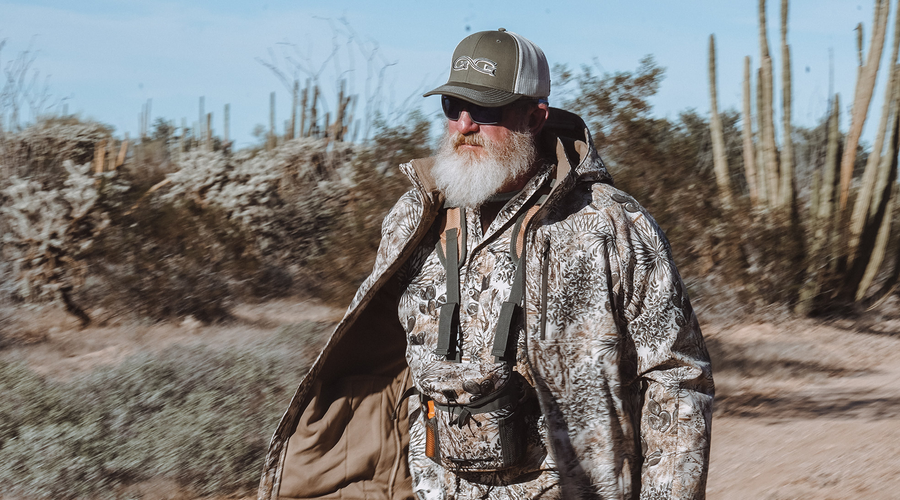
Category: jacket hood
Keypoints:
(567, 135)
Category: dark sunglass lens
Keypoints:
(481, 115)
(485, 116)
(452, 107)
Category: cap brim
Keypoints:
(476, 94)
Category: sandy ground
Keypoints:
(804, 409)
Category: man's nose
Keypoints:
(465, 124)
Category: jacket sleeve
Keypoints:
(672, 365)
(397, 228)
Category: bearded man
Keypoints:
(524, 333)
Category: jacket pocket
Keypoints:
(489, 435)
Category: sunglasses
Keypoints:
(480, 114)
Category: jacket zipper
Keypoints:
(545, 271)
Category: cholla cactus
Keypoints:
(255, 190)
(197, 172)
(39, 150)
(46, 231)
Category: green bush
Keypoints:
(194, 415)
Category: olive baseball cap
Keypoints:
(495, 68)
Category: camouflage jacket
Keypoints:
(610, 342)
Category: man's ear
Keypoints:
(537, 117)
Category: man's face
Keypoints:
(477, 161)
(513, 119)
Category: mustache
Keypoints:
(475, 139)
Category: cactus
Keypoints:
(749, 156)
(291, 133)
(862, 97)
(303, 110)
(786, 189)
(270, 138)
(766, 120)
(822, 220)
(760, 163)
(884, 211)
(864, 199)
(227, 119)
(720, 162)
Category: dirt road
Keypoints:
(803, 409)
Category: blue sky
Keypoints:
(106, 58)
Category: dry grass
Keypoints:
(139, 410)
(800, 403)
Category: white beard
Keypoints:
(467, 179)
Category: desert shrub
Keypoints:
(153, 157)
(303, 217)
(347, 242)
(27, 398)
(74, 235)
(8, 320)
(169, 260)
(737, 260)
(313, 208)
(47, 231)
(395, 144)
(14, 329)
(38, 151)
(258, 190)
(198, 416)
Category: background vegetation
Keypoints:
(197, 417)
(176, 225)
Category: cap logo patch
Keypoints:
(481, 65)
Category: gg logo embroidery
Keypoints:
(481, 65)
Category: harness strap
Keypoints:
(504, 349)
(451, 247)
(454, 219)
(451, 250)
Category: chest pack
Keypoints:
(492, 432)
